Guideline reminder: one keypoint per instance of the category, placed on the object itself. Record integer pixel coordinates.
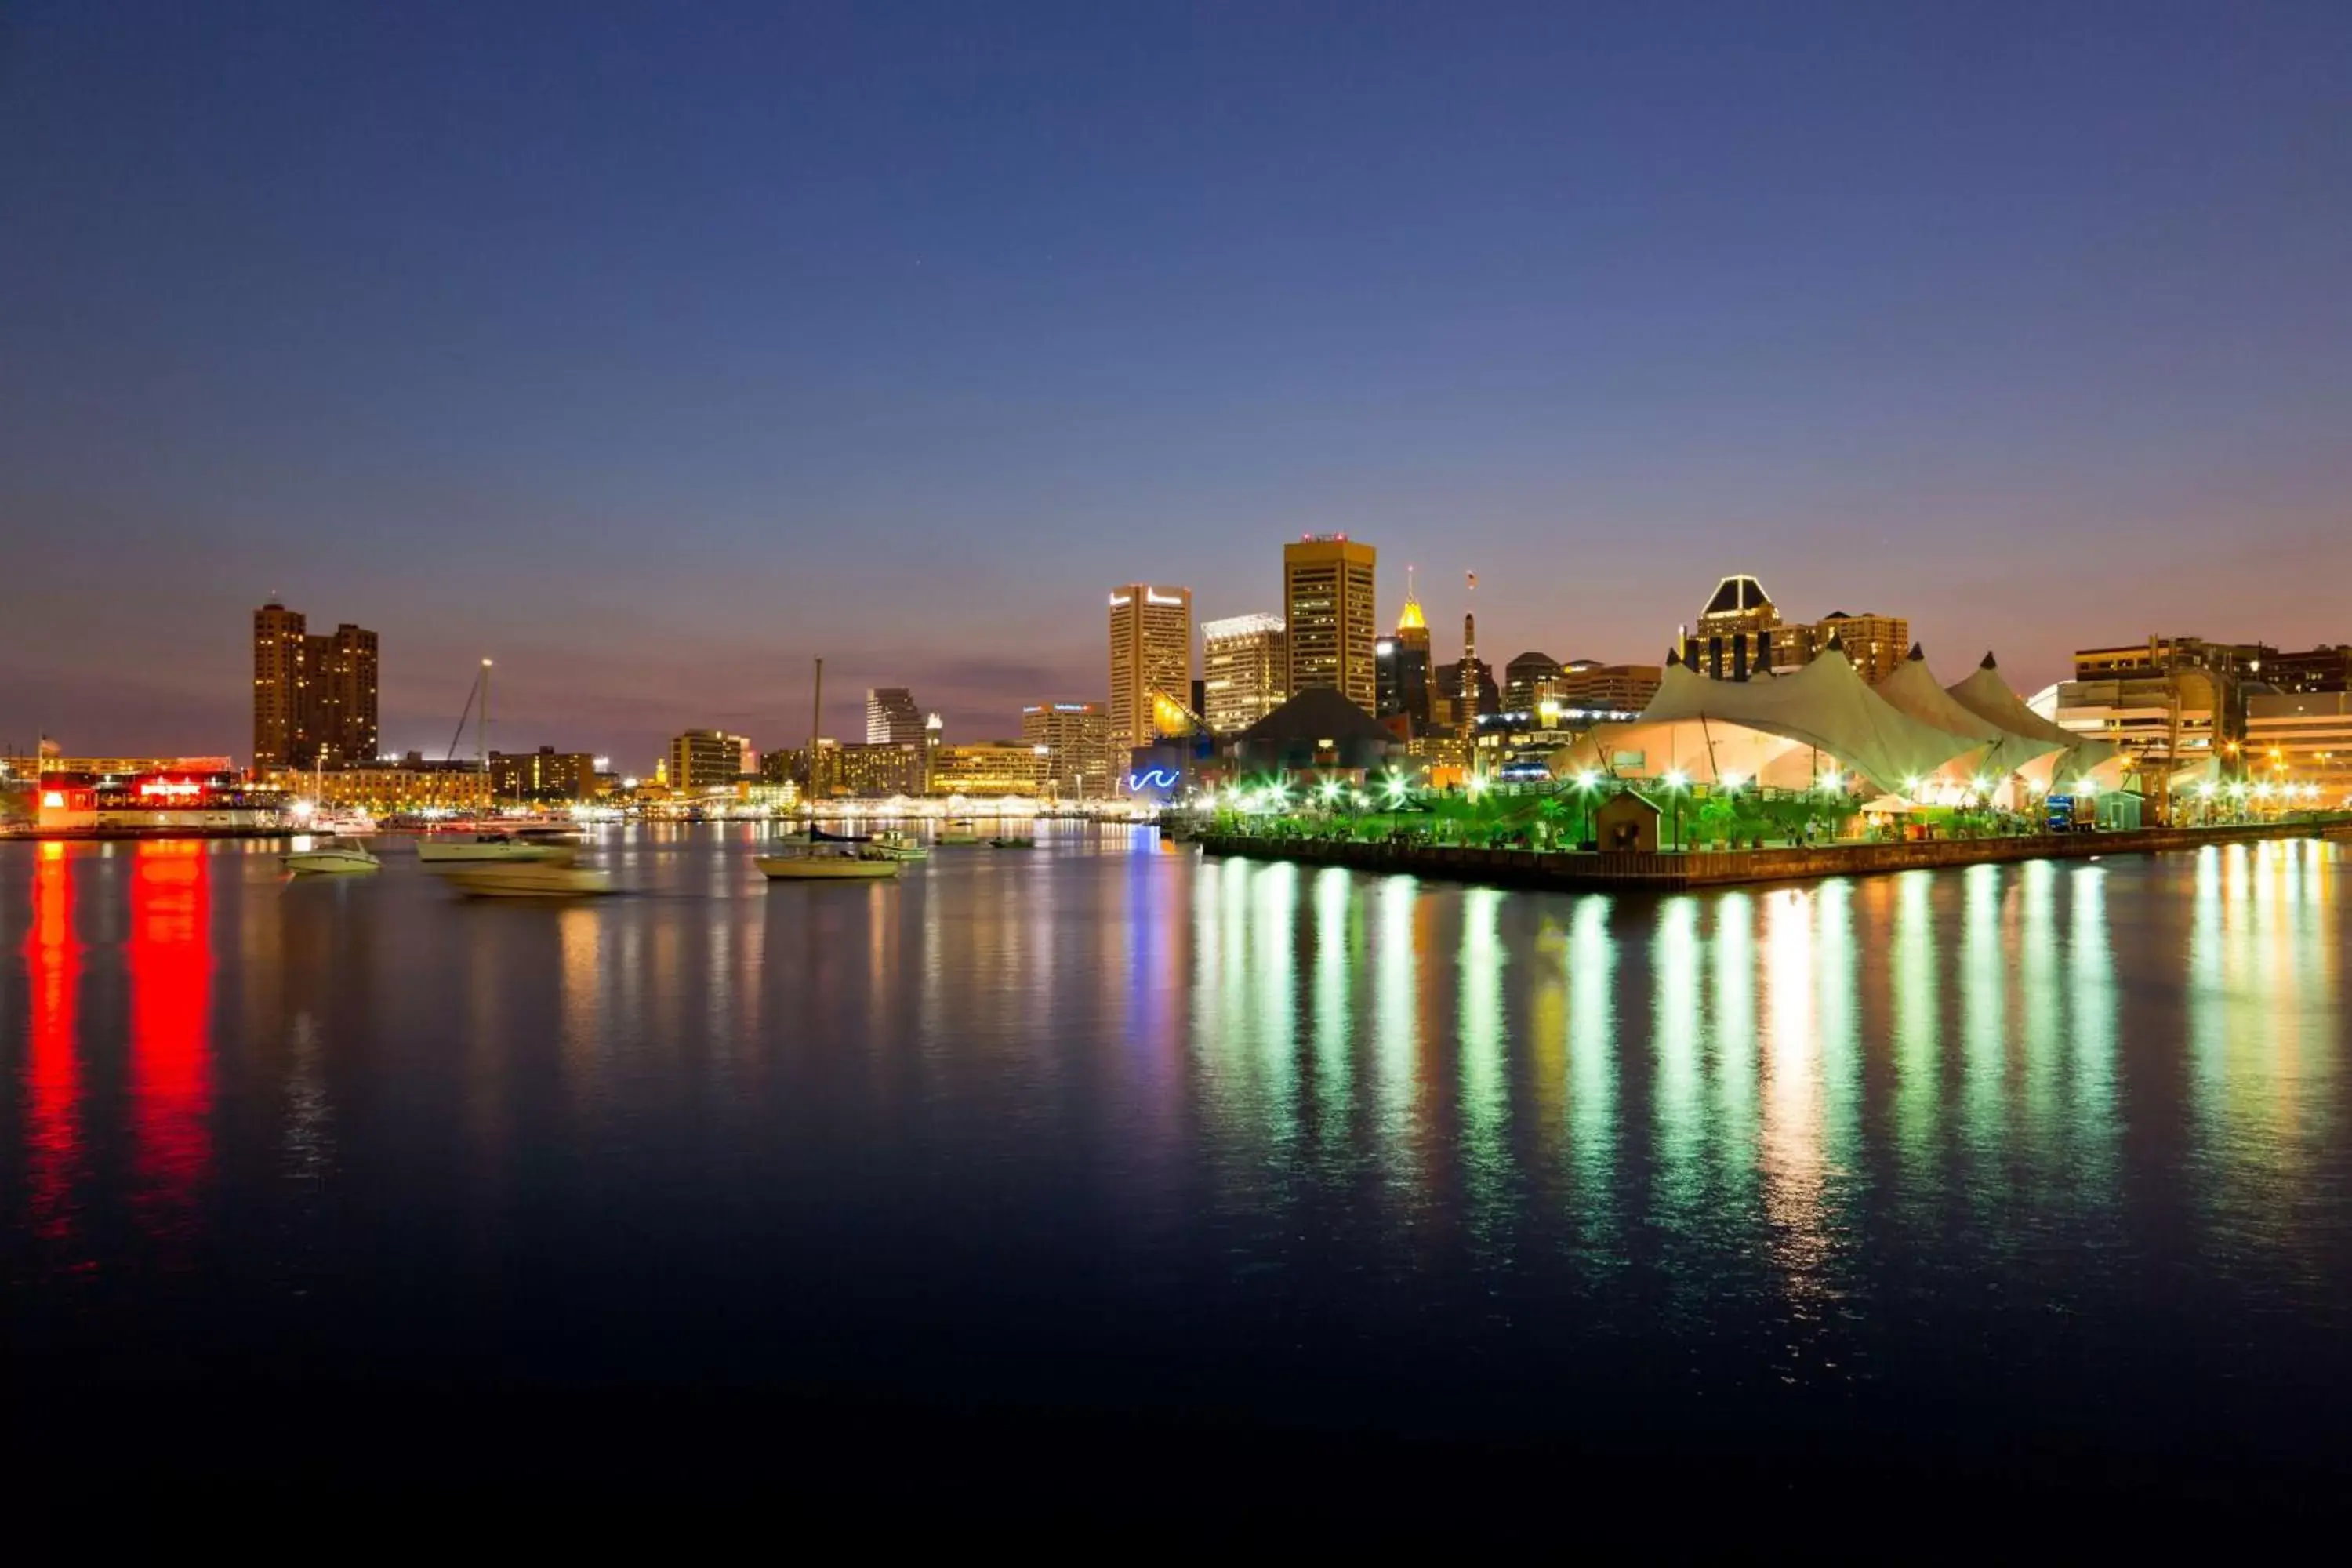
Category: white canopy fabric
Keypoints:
(1913, 690)
(1987, 695)
(1823, 705)
(1701, 753)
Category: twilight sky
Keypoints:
(655, 349)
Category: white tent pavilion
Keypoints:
(2007, 753)
(1987, 695)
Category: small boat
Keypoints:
(528, 880)
(811, 865)
(1012, 844)
(962, 831)
(330, 858)
(899, 847)
(479, 847)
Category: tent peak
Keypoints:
(1918, 654)
(1987, 663)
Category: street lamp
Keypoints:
(1675, 781)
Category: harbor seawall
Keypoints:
(1621, 871)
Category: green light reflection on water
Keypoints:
(1334, 959)
(1678, 1099)
(1395, 1032)
(1591, 969)
(1274, 1021)
(1486, 1091)
(1919, 1031)
(1733, 1049)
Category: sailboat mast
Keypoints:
(482, 737)
(816, 728)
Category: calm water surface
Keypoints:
(2054, 1151)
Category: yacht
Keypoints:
(528, 880)
(489, 845)
(330, 857)
(828, 863)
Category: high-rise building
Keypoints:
(1245, 660)
(1150, 657)
(1530, 680)
(1734, 638)
(1071, 743)
(343, 683)
(1330, 617)
(704, 760)
(281, 669)
(1875, 645)
(1400, 666)
(891, 717)
(314, 697)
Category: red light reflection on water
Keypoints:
(53, 1074)
(171, 994)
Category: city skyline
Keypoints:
(1690, 317)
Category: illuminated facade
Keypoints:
(701, 761)
(1076, 755)
(1610, 688)
(1875, 645)
(1150, 657)
(1734, 639)
(1244, 662)
(988, 768)
(392, 789)
(891, 716)
(2302, 738)
(543, 774)
(1329, 618)
(1400, 667)
(313, 696)
(34, 767)
(874, 771)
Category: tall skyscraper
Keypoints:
(1328, 614)
(1403, 665)
(891, 717)
(343, 676)
(314, 697)
(280, 663)
(1150, 656)
(1734, 639)
(1245, 664)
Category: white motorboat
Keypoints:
(478, 848)
(901, 847)
(829, 864)
(528, 880)
(330, 858)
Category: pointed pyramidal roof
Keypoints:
(1736, 597)
(1912, 690)
(1988, 696)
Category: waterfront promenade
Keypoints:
(1669, 871)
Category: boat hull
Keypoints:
(329, 862)
(476, 851)
(815, 868)
(528, 880)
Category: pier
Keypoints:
(1674, 871)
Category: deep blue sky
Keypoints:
(655, 349)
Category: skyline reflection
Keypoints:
(1818, 1100)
